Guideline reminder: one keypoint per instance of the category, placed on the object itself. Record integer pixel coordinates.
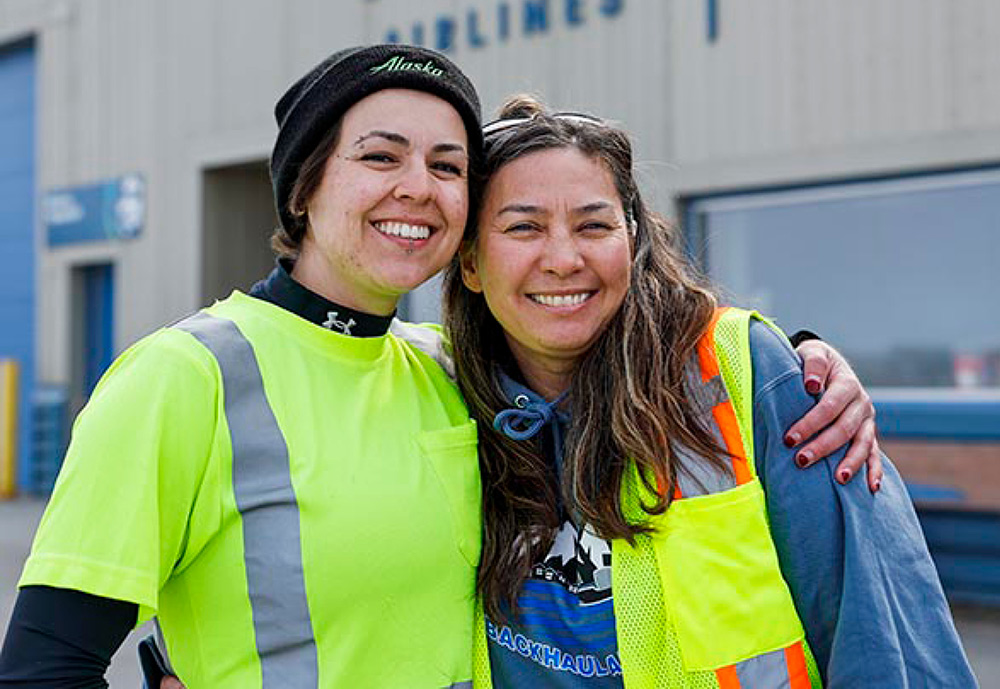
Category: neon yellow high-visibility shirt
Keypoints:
(297, 507)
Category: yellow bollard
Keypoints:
(8, 428)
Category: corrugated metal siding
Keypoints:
(594, 65)
(619, 67)
(164, 89)
(805, 76)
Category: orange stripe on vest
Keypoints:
(723, 413)
(727, 677)
(798, 675)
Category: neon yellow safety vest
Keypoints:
(700, 602)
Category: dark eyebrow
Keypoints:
(594, 207)
(396, 138)
(519, 208)
(528, 208)
(449, 148)
(389, 136)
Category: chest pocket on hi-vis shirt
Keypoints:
(721, 581)
(452, 452)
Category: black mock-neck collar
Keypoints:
(281, 289)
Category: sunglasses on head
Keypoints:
(497, 126)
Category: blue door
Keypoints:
(17, 223)
(98, 325)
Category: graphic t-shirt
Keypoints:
(563, 634)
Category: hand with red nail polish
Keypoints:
(843, 415)
(813, 385)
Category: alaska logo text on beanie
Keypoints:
(398, 62)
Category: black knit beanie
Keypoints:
(318, 100)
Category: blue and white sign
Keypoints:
(115, 209)
(478, 27)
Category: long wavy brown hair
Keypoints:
(627, 398)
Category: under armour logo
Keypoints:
(332, 323)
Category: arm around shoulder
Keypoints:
(856, 563)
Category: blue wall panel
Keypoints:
(17, 225)
(966, 549)
(934, 417)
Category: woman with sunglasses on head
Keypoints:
(643, 525)
(283, 479)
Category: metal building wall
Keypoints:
(789, 91)
(786, 92)
(167, 90)
(611, 57)
(825, 88)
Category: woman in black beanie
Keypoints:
(297, 494)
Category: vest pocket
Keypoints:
(721, 580)
(453, 455)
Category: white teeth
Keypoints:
(399, 229)
(560, 299)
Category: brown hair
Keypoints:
(628, 392)
(287, 243)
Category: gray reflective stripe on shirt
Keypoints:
(696, 476)
(459, 685)
(769, 670)
(266, 500)
(705, 394)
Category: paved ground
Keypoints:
(979, 627)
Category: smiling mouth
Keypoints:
(561, 299)
(403, 230)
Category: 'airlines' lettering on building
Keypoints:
(478, 27)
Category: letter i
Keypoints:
(503, 21)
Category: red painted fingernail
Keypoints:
(791, 440)
(845, 476)
(878, 486)
(812, 386)
(803, 458)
